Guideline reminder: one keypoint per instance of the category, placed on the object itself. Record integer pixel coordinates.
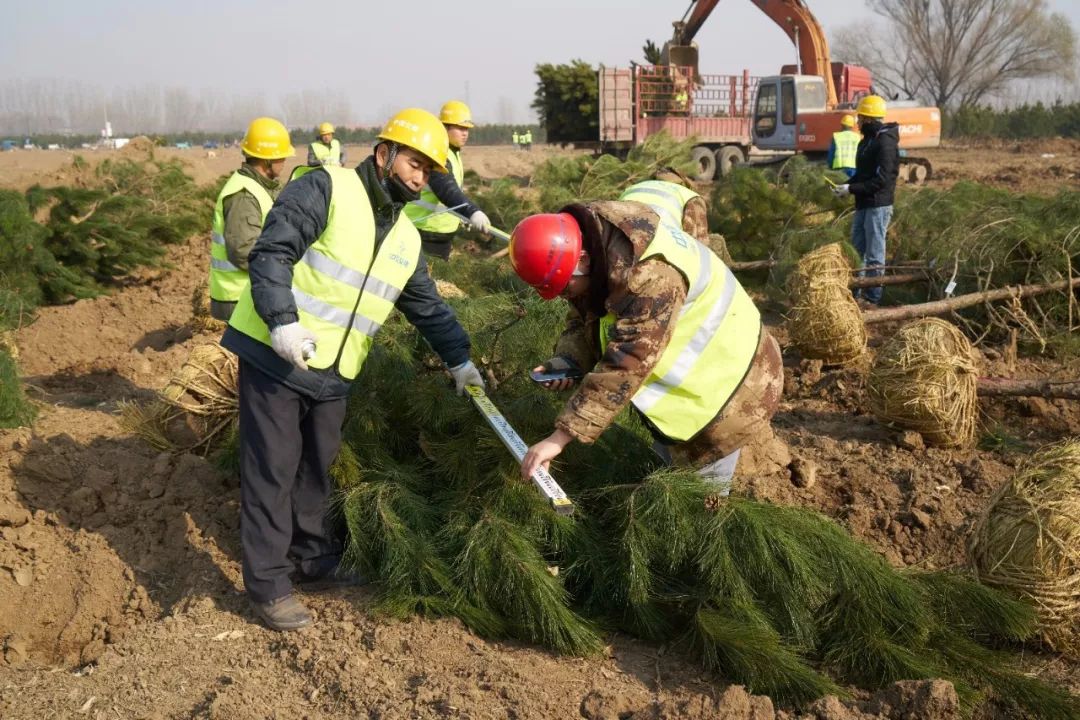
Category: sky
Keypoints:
(381, 56)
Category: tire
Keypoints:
(919, 173)
(705, 160)
(728, 157)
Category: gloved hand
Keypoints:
(466, 374)
(479, 221)
(288, 341)
(841, 190)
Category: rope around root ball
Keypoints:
(196, 408)
(825, 322)
(1028, 541)
(924, 379)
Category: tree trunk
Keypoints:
(1069, 389)
(864, 282)
(940, 307)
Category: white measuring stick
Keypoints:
(517, 447)
(492, 230)
(441, 210)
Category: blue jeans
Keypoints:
(868, 236)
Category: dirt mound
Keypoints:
(138, 148)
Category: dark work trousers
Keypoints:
(287, 442)
(436, 244)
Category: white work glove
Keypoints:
(480, 222)
(289, 342)
(841, 190)
(466, 374)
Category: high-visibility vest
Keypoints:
(227, 280)
(420, 211)
(527, 139)
(713, 343)
(847, 143)
(515, 136)
(327, 155)
(342, 293)
(667, 199)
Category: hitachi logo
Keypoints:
(915, 129)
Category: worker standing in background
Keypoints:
(336, 257)
(429, 213)
(657, 320)
(326, 149)
(241, 208)
(515, 137)
(843, 147)
(526, 140)
(877, 165)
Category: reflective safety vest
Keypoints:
(846, 142)
(712, 346)
(227, 280)
(527, 137)
(301, 170)
(667, 199)
(327, 155)
(420, 211)
(343, 293)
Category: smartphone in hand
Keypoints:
(546, 375)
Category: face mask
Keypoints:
(400, 192)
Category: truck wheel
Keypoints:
(728, 157)
(706, 163)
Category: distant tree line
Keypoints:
(1024, 121)
(480, 135)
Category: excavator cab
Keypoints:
(780, 99)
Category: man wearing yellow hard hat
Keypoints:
(325, 149)
(844, 144)
(433, 213)
(336, 257)
(877, 165)
(240, 209)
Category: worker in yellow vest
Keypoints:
(517, 139)
(241, 208)
(435, 213)
(326, 149)
(526, 140)
(335, 259)
(845, 143)
(656, 320)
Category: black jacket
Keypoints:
(450, 194)
(295, 222)
(877, 164)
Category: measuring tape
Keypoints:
(541, 478)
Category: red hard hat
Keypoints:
(544, 250)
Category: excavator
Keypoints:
(799, 109)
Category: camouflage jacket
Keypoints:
(645, 298)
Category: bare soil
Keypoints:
(120, 590)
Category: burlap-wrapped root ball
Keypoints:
(825, 322)
(924, 379)
(196, 408)
(1028, 541)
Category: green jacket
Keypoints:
(243, 218)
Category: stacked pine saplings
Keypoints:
(779, 599)
(559, 181)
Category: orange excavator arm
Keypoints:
(793, 17)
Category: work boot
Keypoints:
(336, 578)
(284, 613)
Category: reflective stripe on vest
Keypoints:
(847, 143)
(342, 294)
(301, 170)
(227, 280)
(420, 211)
(327, 154)
(666, 198)
(711, 348)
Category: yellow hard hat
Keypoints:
(326, 128)
(267, 139)
(456, 112)
(872, 106)
(848, 121)
(420, 130)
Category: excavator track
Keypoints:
(915, 170)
